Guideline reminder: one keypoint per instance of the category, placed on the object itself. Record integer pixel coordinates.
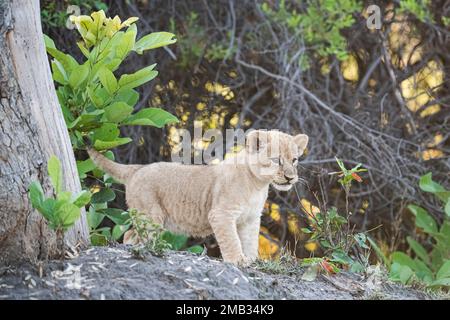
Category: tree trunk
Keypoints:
(32, 129)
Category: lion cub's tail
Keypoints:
(120, 172)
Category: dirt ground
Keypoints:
(116, 273)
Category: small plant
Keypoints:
(284, 263)
(155, 238)
(431, 267)
(148, 233)
(63, 211)
(332, 230)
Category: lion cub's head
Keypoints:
(273, 156)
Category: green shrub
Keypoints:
(431, 267)
(62, 211)
(320, 24)
(96, 102)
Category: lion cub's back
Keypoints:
(183, 192)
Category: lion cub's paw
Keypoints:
(241, 261)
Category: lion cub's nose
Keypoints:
(289, 177)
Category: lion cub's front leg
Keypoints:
(249, 234)
(223, 223)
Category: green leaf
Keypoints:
(378, 251)
(195, 249)
(444, 282)
(104, 195)
(177, 241)
(305, 230)
(340, 256)
(64, 196)
(129, 96)
(67, 214)
(444, 271)
(361, 238)
(419, 250)
(127, 42)
(423, 272)
(151, 117)
(108, 80)
(83, 49)
(84, 167)
(82, 199)
(67, 61)
(107, 132)
(357, 267)
(427, 184)
(423, 219)
(118, 216)
(59, 74)
(78, 75)
(119, 230)
(49, 43)
(94, 218)
(99, 239)
(86, 121)
(118, 112)
(130, 81)
(48, 209)
(403, 259)
(104, 145)
(54, 171)
(36, 195)
(154, 40)
(400, 273)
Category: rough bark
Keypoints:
(32, 129)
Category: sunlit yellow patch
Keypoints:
(234, 121)
(267, 249)
(293, 224)
(437, 139)
(311, 246)
(432, 154)
(233, 74)
(430, 110)
(310, 210)
(350, 68)
(156, 100)
(275, 212)
(200, 106)
(95, 188)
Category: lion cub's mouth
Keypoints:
(285, 186)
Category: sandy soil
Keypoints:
(115, 273)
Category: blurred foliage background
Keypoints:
(376, 97)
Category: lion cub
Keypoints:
(226, 199)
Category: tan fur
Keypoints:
(225, 199)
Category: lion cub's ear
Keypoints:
(256, 140)
(301, 140)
